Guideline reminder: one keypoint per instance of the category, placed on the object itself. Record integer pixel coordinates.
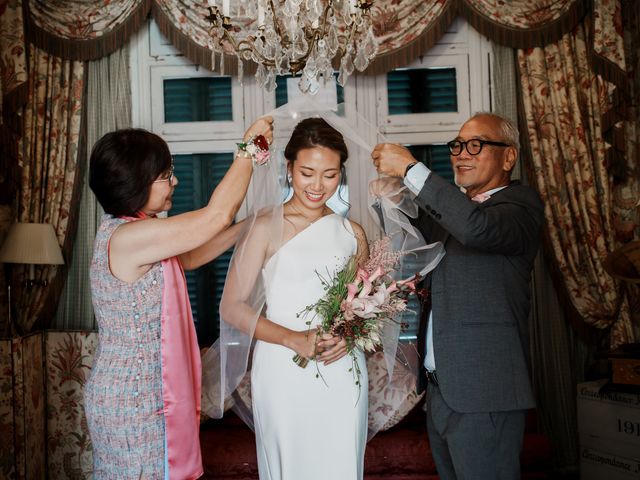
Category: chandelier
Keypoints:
(294, 37)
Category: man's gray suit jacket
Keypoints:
(480, 293)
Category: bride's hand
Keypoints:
(332, 348)
(304, 343)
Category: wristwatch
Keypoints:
(409, 167)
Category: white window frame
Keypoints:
(463, 49)
(154, 59)
(436, 121)
(192, 131)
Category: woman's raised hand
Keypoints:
(263, 126)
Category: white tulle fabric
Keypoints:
(227, 362)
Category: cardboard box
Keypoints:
(598, 462)
(609, 427)
(613, 416)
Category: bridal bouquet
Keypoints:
(360, 300)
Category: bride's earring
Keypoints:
(289, 178)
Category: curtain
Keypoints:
(84, 29)
(49, 187)
(108, 103)
(564, 103)
(552, 372)
(13, 65)
(404, 28)
(505, 88)
(13, 95)
(558, 361)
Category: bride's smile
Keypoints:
(314, 197)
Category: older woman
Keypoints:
(143, 397)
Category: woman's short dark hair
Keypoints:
(123, 166)
(315, 132)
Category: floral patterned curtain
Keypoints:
(183, 23)
(84, 29)
(13, 69)
(565, 103)
(13, 94)
(49, 157)
(407, 28)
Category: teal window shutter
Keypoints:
(198, 175)
(204, 99)
(422, 90)
(436, 158)
(282, 94)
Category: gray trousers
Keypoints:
(474, 446)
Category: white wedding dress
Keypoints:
(307, 428)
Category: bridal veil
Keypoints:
(226, 364)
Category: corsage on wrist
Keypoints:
(257, 148)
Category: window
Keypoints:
(282, 93)
(198, 175)
(197, 99)
(436, 157)
(192, 104)
(202, 115)
(422, 90)
(432, 94)
(423, 105)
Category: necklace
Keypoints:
(308, 220)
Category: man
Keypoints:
(476, 358)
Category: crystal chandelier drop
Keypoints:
(296, 37)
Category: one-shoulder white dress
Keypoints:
(307, 427)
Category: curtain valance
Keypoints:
(89, 29)
(83, 29)
(408, 28)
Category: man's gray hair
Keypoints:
(508, 130)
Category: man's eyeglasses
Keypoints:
(473, 146)
(169, 178)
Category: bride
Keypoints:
(310, 423)
(306, 427)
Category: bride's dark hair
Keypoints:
(316, 132)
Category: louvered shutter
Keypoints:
(414, 91)
(198, 175)
(282, 94)
(197, 99)
(436, 157)
(422, 90)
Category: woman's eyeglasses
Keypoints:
(473, 146)
(169, 178)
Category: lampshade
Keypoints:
(31, 243)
